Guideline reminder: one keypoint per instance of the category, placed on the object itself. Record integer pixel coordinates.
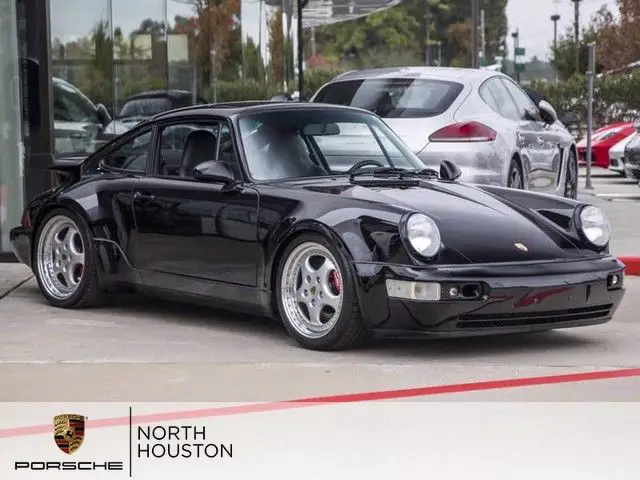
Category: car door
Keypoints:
(190, 227)
(546, 154)
(494, 92)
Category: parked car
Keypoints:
(147, 104)
(79, 124)
(481, 119)
(632, 157)
(616, 155)
(256, 217)
(601, 142)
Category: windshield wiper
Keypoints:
(397, 172)
(378, 172)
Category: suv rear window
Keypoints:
(393, 97)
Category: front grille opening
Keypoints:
(505, 320)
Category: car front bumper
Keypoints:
(20, 238)
(527, 297)
(632, 170)
(616, 163)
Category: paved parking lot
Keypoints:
(147, 350)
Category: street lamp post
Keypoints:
(515, 36)
(554, 19)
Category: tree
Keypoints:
(564, 55)
(620, 39)
(401, 29)
(276, 48)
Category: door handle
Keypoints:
(144, 196)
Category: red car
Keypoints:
(601, 141)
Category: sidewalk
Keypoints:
(12, 275)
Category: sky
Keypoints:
(533, 19)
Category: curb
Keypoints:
(631, 265)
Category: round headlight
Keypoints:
(423, 235)
(595, 226)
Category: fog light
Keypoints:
(421, 291)
(454, 292)
(614, 280)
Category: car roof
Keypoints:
(463, 75)
(231, 109)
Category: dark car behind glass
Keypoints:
(147, 104)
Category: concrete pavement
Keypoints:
(149, 350)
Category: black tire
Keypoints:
(515, 177)
(349, 330)
(89, 293)
(571, 178)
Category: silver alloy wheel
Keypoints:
(60, 257)
(311, 290)
(515, 178)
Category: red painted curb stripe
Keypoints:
(333, 399)
(631, 264)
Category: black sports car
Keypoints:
(320, 216)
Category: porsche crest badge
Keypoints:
(68, 432)
(521, 246)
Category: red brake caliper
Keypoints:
(335, 282)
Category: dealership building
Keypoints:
(68, 65)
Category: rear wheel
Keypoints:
(65, 265)
(316, 295)
(515, 179)
(571, 179)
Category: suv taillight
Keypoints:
(464, 132)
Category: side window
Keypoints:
(501, 99)
(132, 155)
(184, 146)
(526, 108)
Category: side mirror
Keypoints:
(547, 112)
(449, 171)
(214, 171)
(103, 115)
(570, 118)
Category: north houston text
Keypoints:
(184, 441)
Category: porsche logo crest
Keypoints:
(68, 432)
(521, 246)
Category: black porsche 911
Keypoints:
(320, 216)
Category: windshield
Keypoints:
(144, 107)
(393, 97)
(309, 143)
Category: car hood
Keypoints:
(478, 225)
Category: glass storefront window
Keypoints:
(11, 146)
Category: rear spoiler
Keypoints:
(68, 168)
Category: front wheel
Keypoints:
(516, 178)
(316, 295)
(64, 260)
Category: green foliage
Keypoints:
(616, 98)
(564, 55)
(379, 37)
(316, 78)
